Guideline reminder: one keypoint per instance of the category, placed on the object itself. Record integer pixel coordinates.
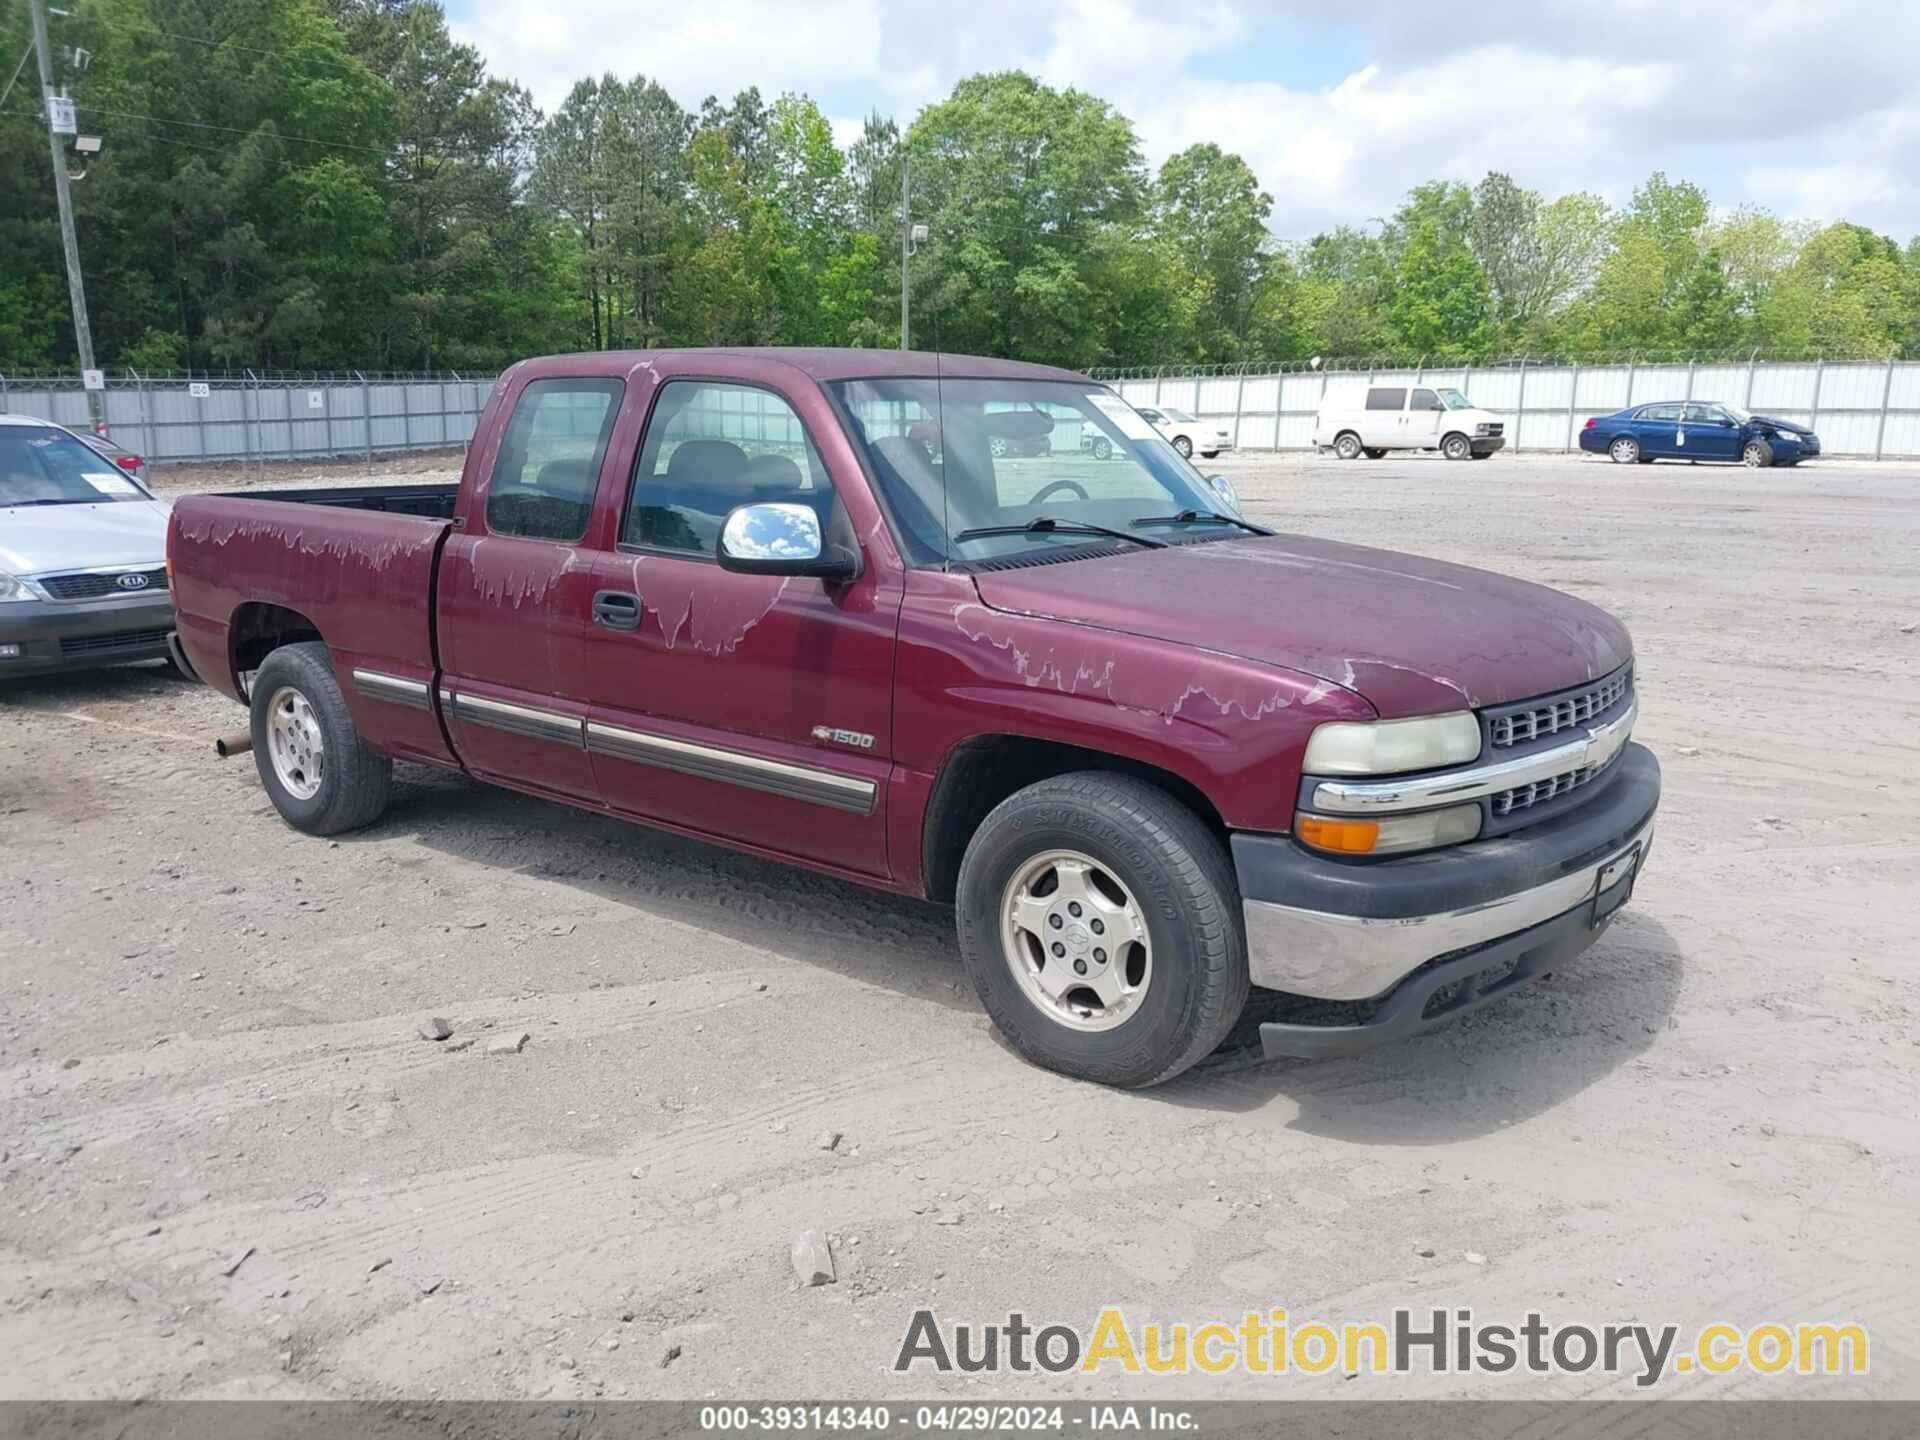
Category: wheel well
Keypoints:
(1453, 434)
(258, 629)
(1340, 435)
(981, 773)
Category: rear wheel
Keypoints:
(1347, 445)
(1456, 447)
(1757, 455)
(1102, 447)
(1375, 453)
(1625, 450)
(320, 775)
(1100, 923)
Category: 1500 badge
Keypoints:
(826, 734)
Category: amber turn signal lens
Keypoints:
(1345, 837)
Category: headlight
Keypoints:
(1483, 429)
(12, 589)
(1393, 836)
(1390, 747)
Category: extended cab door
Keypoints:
(515, 588)
(753, 708)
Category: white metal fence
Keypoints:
(255, 417)
(1859, 408)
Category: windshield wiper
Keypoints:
(43, 501)
(1047, 525)
(1202, 517)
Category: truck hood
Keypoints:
(36, 539)
(1411, 635)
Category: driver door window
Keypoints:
(710, 447)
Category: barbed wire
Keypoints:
(1347, 365)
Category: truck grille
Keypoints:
(1521, 797)
(117, 640)
(1535, 719)
(101, 583)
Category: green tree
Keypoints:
(1438, 304)
(1017, 179)
(1212, 209)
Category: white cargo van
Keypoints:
(1370, 420)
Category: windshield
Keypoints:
(1180, 415)
(44, 466)
(953, 458)
(1740, 417)
(1453, 399)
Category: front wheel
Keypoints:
(1183, 447)
(1102, 447)
(1757, 455)
(1099, 921)
(1376, 453)
(320, 775)
(1456, 447)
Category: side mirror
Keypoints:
(781, 538)
(1725, 423)
(1223, 487)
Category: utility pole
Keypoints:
(906, 243)
(76, 287)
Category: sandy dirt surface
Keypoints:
(232, 1167)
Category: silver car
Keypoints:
(82, 555)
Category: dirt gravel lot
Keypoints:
(231, 1167)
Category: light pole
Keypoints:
(911, 235)
(76, 287)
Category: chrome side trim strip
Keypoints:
(1348, 957)
(519, 719)
(1384, 797)
(731, 767)
(392, 688)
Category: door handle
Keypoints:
(616, 610)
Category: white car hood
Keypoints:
(44, 539)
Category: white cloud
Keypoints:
(1804, 107)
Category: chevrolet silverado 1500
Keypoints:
(795, 602)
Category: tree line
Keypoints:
(341, 184)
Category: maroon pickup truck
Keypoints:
(969, 630)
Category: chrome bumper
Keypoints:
(1349, 957)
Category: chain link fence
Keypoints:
(1866, 408)
(251, 417)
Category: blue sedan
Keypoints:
(1691, 430)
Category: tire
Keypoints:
(1483, 454)
(1102, 447)
(1347, 445)
(1646, 459)
(1756, 455)
(1625, 450)
(997, 446)
(1456, 447)
(1376, 454)
(1183, 447)
(1125, 837)
(1208, 454)
(295, 686)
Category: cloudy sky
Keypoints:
(1810, 109)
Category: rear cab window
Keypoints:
(548, 468)
(712, 445)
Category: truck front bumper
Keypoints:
(42, 637)
(1394, 945)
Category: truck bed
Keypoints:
(356, 564)
(431, 501)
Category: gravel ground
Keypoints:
(232, 1167)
